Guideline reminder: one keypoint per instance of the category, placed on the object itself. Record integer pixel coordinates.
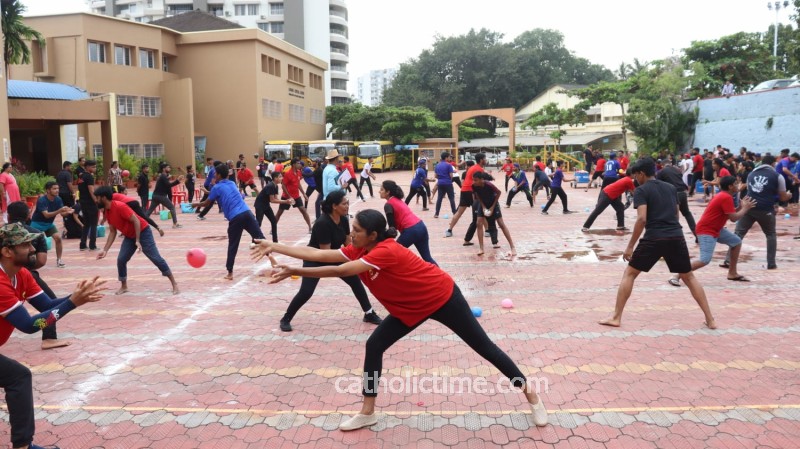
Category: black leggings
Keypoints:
(369, 184)
(262, 211)
(308, 285)
(457, 316)
(418, 191)
(556, 192)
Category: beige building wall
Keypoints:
(215, 84)
(5, 135)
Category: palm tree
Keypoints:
(15, 33)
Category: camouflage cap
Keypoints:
(15, 234)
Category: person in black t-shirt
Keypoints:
(672, 175)
(65, 186)
(269, 194)
(657, 216)
(88, 206)
(162, 192)
(330, 231)
(143, 186)
(588, 158)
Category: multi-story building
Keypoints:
(370, 87)
(176, 93)
(319, 27)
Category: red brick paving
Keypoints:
(209, 368)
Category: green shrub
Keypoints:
(32, 184)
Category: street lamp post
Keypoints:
(777, 6)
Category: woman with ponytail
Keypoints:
(330, 231)
(399, 216)
(411, 289)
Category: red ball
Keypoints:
(125, 173)
(196, 257)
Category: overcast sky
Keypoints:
(385, 33)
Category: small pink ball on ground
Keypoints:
(507, 303)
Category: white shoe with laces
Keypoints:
(539, 413)
(359, 421)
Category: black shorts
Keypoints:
(298, 202)
(465, 200)
(674, 252)
(597, 174)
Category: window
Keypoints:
(151, 106)
(97, 52)
(338, 68)
(97, 151)
(126, 105)
(339, 84)
(263, 26)
(270, 65)
(317, 116)
(315, 81)
(271, 108)
(147, 59)
(216, 10)
(122, 55)
(164, 63)
(153, 150)
(297, 113)
(276, 9)
(276, 27)
(295, 74)
(130, 148)
(173, 10)
(239, 10)
(252, 10)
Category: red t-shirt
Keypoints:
(624, 162)
(349, 168)
(291, 181)
(508, 167)
(14, 295)
(601, 165)
(698, 163)
(121, 197)
(119, 216)
(403, 217)
(245, 175)
(410, 288)
(724, 172)
(466, 186)
(278, 167)
(618, 187)
(716, 215)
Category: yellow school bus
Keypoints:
(285, 150)
(382, 151)
(317, 149)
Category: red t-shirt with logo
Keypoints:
(410, 288)
(618, 187)
(716, 215)
(119, 216)
(466, 186)
(508, 167)
(13, 293)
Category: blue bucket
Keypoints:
(101, 231)
(187, 208)
(165, 215)
(698, 186)
(49, 241)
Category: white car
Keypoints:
(492, 159)
(772, 84)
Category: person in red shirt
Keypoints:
(412, 291)
(466, 200)
(711, 229)
(599, 169)
(347, 165)
(18, 286)
(292, 192)
(245, 177)
(719, 172)
(508, 169)
(611, 195)
(136, 208)
(136, 236)
(624, 161)
(697, 170)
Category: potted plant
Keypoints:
(31, 185)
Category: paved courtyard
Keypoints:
(209, 368)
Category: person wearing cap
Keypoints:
(508, 169)
(88, 205)
(418, 183)
(162, 192)
(330, 175)
(17, 287)
(520, 185)
(136, 234)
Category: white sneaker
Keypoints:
(358, 421)
(539, 413)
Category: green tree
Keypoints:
(617, 92)
(15, 34)
(551, 114)
(743, 58)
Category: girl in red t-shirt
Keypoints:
(411, 289)
(399, 216)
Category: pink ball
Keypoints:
(507, 303)
(125, 173)
(196, 257)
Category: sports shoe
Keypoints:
(448, 233)
(425, 209)
(372, 318)
(436, 216)
(177, 226)
(584, 229)
(772, 267)
(83, 248)
(358, 421)
(60, 263)
(486, 234)
(567, 212)
(201, 218)
(544, 212)
(285, 326)
(539, 413)
(674, 282)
